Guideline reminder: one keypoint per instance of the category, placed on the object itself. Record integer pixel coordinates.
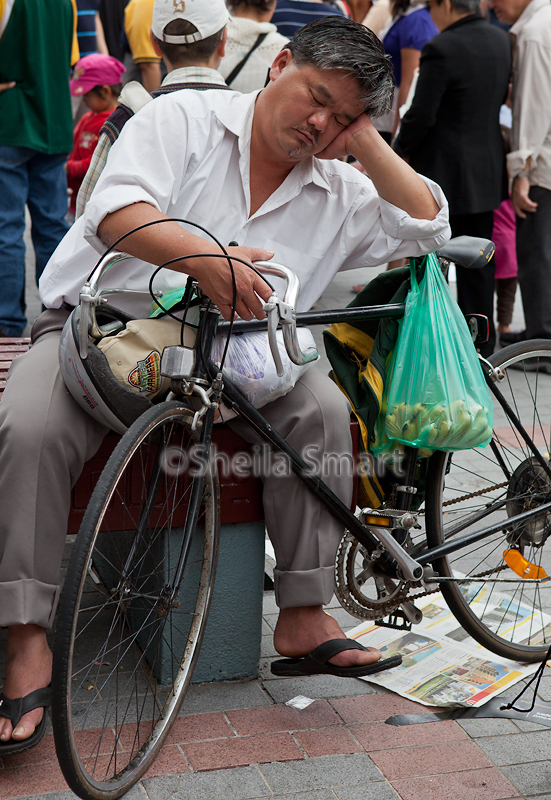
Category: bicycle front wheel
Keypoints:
(499, 595)
(128, 633)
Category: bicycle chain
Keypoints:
(476, 494)
(384, 610)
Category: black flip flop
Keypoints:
(317, 662)
(17, 708)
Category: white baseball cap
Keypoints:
(208, 16)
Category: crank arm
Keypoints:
(411, 570)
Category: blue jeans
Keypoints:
(30, 178)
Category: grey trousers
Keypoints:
(45, 439)
(534, 265)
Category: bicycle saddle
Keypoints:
(470, 252)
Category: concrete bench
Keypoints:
(231, 647)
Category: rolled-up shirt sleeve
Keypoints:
(145, 165)
(396, 234)
(531, 106)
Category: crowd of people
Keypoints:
(278, 97)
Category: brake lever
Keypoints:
(272, 313)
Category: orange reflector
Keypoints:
(378, 521)
(522, 567)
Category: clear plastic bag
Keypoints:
(250, 366)
(435, 396)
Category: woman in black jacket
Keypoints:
(451, 132)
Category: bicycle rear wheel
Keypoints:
(127, 636)
(497, 604)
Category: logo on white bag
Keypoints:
(146, 377)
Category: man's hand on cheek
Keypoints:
(340, 146)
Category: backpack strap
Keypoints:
(172, 87)
(236, 70)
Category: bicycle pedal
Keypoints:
(389, 518)
(398, 621)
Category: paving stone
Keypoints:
(221, 696)
(544, 689)
(269, 605)
(170, 761)
(373, 791)
(68, 795)
(375, 707)
(264, 669)
(199, 727)
(33, 780)
(530, 778)
(487, 727)
(480, 784)
(379, 736)
(267, 649)
(518, 749)
(266, 630)
(283, 718)
(283, 689)
(243, 783)
(242, 750)
(432, 759)
(43, 753)
(526, 727)
(316, 773)
(327, 742)
(317, 794)
(270, 620)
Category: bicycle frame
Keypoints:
(234, 399)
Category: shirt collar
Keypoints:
(237, 117)
(194, 75)
(527, 15)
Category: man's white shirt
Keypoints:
(531, 132)
(188, 155)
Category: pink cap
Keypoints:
(95, 70)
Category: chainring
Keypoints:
(359, 589)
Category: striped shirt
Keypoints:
(290, 15)
(86, 26)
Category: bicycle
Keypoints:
(140, 580)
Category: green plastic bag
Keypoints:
(435, 395)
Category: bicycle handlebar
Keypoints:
(278, 311)
(284, 312)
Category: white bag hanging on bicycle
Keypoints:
(249, 364)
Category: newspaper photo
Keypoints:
(441, 664)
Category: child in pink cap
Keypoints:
(97, 79)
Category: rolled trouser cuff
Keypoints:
(312, 587)
(28, 602)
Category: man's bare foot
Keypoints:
(29, 667)
(300, 630)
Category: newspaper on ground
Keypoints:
(441, 664)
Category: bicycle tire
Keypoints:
(501, 610)
(125, 648)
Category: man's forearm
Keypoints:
(395, 181)
(155, 244)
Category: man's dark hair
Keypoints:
(463, 6)
(182, 55)
(261, 5)
(339, 43)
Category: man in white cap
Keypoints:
(206, 18)
(265, 170)
(191, 38)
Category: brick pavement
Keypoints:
(239, 741)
